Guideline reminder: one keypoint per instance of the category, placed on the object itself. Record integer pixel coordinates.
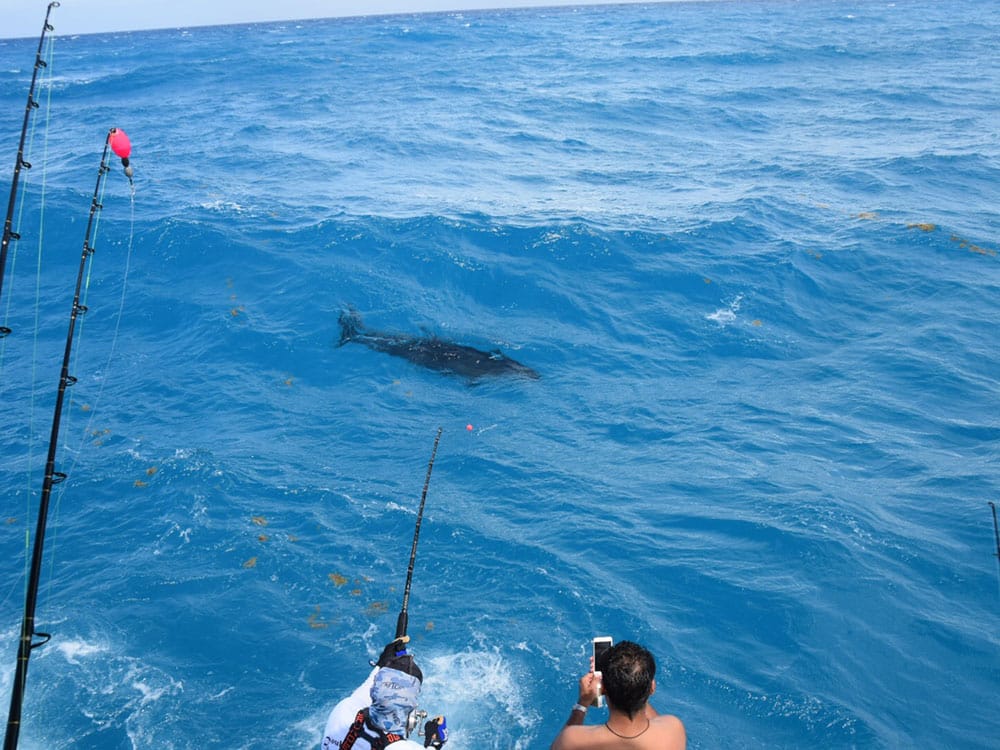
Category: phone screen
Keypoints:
(601, 644)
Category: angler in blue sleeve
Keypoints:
(382, 712)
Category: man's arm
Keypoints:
(589, 686)
(361, 697)
(342, 715)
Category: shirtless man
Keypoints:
(628, 680)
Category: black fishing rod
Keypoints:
(52, 477)
(8, 231)
(403, 619)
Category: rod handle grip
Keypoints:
(401, 624)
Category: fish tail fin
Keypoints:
(350, 322)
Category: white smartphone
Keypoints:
(601, 644)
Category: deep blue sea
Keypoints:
(751, 248)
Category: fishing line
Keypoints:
(23, 199)
(43, 63)
(23, 195)
(95, 404)
(112, 349)
(403, 619)
(27, 642)
(8, 232)
(39, 254)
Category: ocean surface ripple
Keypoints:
(751, 250)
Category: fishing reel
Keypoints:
(434, 732)
(416, 716)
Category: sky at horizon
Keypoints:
(24, 18)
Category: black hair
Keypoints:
(627, 672)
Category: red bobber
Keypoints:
(120, 143)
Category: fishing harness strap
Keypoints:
(373, 735)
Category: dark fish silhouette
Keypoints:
(432, 352)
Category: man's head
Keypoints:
(628, 674)
(395, 693)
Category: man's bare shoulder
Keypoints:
(665, 733)
(669, 732)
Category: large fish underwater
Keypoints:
(433, 352)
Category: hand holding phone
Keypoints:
(601, 644)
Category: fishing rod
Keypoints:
(117, 141)
(8, 231)
(403, 619)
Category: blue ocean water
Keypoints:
(751, 249)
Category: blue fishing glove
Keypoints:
(436, 732)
